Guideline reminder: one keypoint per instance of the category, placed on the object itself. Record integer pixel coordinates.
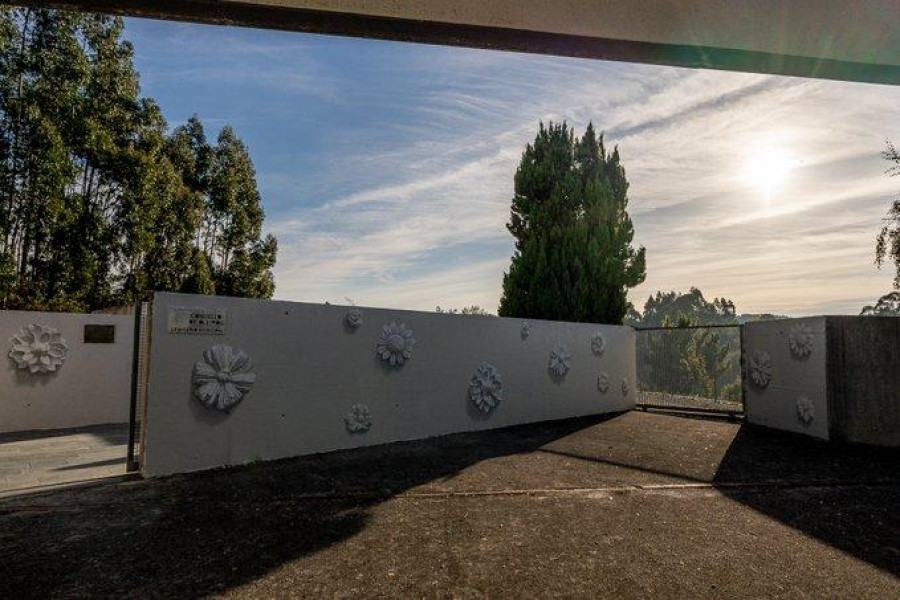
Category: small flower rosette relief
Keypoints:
(354, 318)
(760, 368)
(598, 344)
(806, 411)
(602, 383)
(223, 377)
(359, 419)
(395, 344)
(486, 388)
(526, 330)
(38, 349)
(559, 360)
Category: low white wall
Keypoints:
(795, 374)
(92, 386)
(311, 368)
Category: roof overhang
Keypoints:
(853, 40)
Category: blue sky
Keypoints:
(386, 169)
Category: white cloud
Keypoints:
(406, 205)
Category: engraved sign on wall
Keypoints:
(197, 321)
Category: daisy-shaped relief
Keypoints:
(760, 368)
(38, 349)
(359, 419)
(598, 344)
(559, 360)
(800, 340)
(486, 388)
(395, 344)
(806, 411)
(223, 377)
(602, 383)
(354, 318)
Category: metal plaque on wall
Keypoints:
(197, 321)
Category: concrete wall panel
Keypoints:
(793, 377)
(92, 386)
(311, 369)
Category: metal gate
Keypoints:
(139, 375)
(690, 369)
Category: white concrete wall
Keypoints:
(776, 404)
(311, 369)
(92, 386)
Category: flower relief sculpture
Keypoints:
(395, 344)
(486, 388)
(806, 411)
(559, 360)
(800, 340)
(598, 344)
(602, 382)
(359, 419)
(625, 386)
(526, 329)
(38, 349)
(354, 318)
(760, 368)
(223, 377)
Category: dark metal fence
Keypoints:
(139, 375)
(696, 369)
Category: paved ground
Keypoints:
(37, 459)
(635, 505)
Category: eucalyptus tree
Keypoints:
(99, 204)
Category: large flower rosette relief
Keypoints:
(486, 388)
(395, 345)
(38, 349)
(223, 377)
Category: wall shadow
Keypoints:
(188, 536)
(843, 495)
(111, 434)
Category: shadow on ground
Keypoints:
(199, 534)
(843, 495)
(213, 532)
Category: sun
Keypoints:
(768, 168)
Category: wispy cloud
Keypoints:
(387, 168)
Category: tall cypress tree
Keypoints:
(574, 259)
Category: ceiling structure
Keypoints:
(853, 40)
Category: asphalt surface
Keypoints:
(634, 505)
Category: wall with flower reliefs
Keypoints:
(785, 375)
(52, 379)
(235, 380)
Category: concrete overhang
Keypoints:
(853, 40)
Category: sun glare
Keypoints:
(768, 167)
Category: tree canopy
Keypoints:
(886, 306)
(667, 309)
(99, 203)
(573, 259)
(887, 243)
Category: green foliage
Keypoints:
(887, 306)
(887, 244)
(573, 258)
(672, 306)
(466, 310)
(686, 358)
(99, 205)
